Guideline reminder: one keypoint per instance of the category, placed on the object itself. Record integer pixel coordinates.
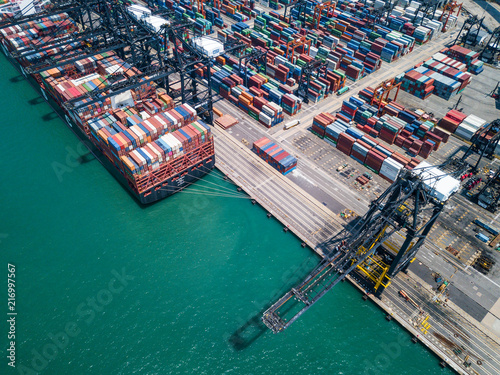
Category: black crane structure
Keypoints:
(425, 9)
(107, 26)
(489, 196)
(409, 207)
(313, 69)
(257, 57)
(484, 142)
(300, 6)
(467, 30)
(379, 13)
(490, 50)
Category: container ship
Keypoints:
(151, 146)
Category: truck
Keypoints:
(482, 237)
(343, 90)
(341, 167)
(291, 124)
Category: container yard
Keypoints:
(372, 172)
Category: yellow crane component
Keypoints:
(376, 270)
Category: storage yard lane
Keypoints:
(310, 220)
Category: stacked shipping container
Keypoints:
(274, 155)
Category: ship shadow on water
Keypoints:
(37, 100)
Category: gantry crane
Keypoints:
(300, 41)
(489, 196)
(484, 142)
(448, 11)
(258, 57)
(492, 47)
(425, 9)
(408, 208)
(383, 90)
(379, 13)
(312, 70)
(300, 6)
(200, 6)
(328, 6)
(114, 28)
(467, 26)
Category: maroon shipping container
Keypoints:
(449, 124)
(364, 144)
(407, 143)
(346, 139)
(443, 134)
(318, 130)
(387, 136)
(374, 160)
(400, 158)
(399, 141)
(358, 156)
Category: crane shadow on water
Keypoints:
(86, 158)
(37, 100)
(50, 116)
(17, 79)
(253, 328)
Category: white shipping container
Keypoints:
(474, 121)
(172, 118)
(151, 157)
(436, 182)
(139, 156)
(157, 154)
(137, 132)
(151, 128)
(191, 109)
(161, 121)
(390, 169)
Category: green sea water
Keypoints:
(105, 286)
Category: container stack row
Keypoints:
(462, 125)
(448, 71)
(412, 131)
(469, 126)
(259, 101)
(320, 123)
(441, 75)
(367, 151)
(451, 120)
(275, 156)
(166, 148)
(468, 57)
(69, 84)
(24, 37)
